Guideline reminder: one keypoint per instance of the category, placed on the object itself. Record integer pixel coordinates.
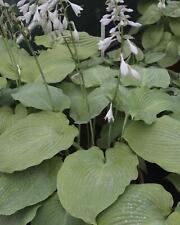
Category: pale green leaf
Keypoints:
(33, 139)
(158, 143)
(174, 25)
(175, 180)
(21, 217)
(3, 82)
(174, 217)
(151, 15)
(143, 5)
(28, 187)
(36, 95)
(94, 76)
(89, 182)
(152, 36)
(143, 103)
(172, 9)
(142, 204)
(150, 77)
(8, 118)
(153, 56)
(85, 106)
(52, 213)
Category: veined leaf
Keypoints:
(28, 187)
(172, 9)
(33, 139)
(8, 118)
(152, 36)
(151, 15)
(36, 95)
(174, 217)
(89, 182)
(142, 204)
(22, 217)
(52, 213)
(159, 143)
(143, 103)
(174, 25)
(94, 76)
(83, 110)
(150, 77)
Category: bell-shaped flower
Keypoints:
(124, 67)
(109, 116)
(132, 47)
(76, 8)
(104, 44)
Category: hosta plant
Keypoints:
(86, 121)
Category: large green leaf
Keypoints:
(174, 217)
(150, 77)
(175, 180)
(33, 139)
(28, 187)
(152, 36)
(83, 110)
(172, 9)
(94, 76)
(174, 25)
(151, 15)
(86, 46)
(143, 103)
(153, 56)
(142, 204)
(8, 118)
(36, 95)
(22, 217)
(159, 143)
(56, 64)
(89, 182)
(52, 213)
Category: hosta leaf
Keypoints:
(22, 217)
(27, 187)
(172, 9)
(174, 217)
(150, 77)
(3, 82)
(8, 118)
(174, 25)
(96, 181)
(33, 139)
(52, 213)
(175, 180)
(94, 76)
(86, 46)
(153, 56)
(142, 204)
(151, 15)
(56, 63)
(36, 95)
(160, 142)
(81, 110)
(143, 103)
(152, 36)
(143, 5)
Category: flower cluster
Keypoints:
(49, 14)
(117, 13)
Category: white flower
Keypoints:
(75, 34)
(24, 8)
(65, 23)
(76, 8)
(104, 44)
(21, 3)
(132, 47)
(106, 20)
(162, 4)
(124, 67)
(109, 116)
(37, 16)
(133, 24)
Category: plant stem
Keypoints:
(40, 68)
(124, 124)
(109, 134)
